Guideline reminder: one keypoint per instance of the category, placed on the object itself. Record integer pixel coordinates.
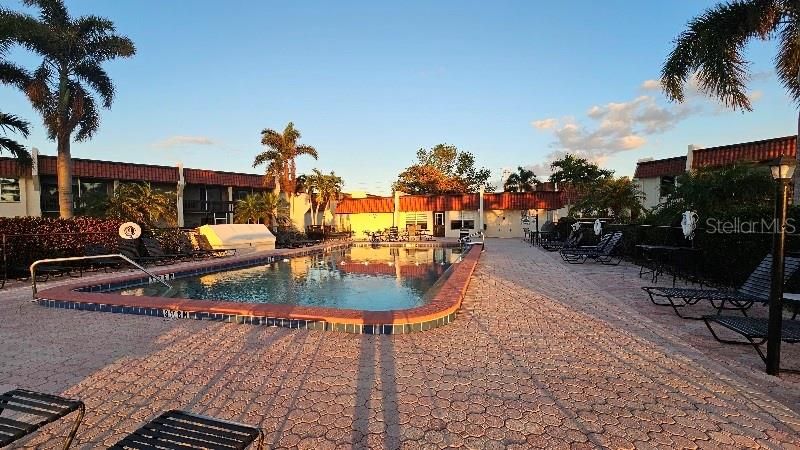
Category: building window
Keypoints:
(420, 220)
(9, 190)
(466, 220)
(666, 186)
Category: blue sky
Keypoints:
(368, 83)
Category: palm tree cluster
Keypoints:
(141, 203)
(266, 207)
(323, 189)
(523, 180)
(70, 85)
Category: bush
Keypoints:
(30, 238)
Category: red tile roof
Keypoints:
(111, 170)
(745, 152)
(660, 167)
(460, 202)
(365, 205)
(197, 176)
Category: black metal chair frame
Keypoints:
(603, 252)
(36, 404)
(754, 290)
(754, 330)
(181, 429)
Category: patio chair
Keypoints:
(755, 289)
(552, 242)
(188, 249)
(603, 252)
(22, 412)
(155, 250)
(181, 429)
(129, 248)
(97, 264)
(754, 330)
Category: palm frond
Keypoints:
(16, 149)
(89, 119)
(271, 139)
(97, 78)
(10, 122)
(268, 156)
(107, 47)
(712, 46)
(306, 150)
(52, 12)
(787, 61)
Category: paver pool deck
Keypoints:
(542, 355)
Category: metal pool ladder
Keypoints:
(82, 258)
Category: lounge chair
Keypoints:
(129, 248)
(155, 250)
(180, 429)
(603, 252)
(755, 289)
(552, 243)
(22, 412)
(97, 264)
(754, 330)
(188, 249)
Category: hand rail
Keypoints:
(81, 258)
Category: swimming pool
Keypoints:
(369, 279)
(368, 267)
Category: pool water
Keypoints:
(364, 278)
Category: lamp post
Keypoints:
(782, 170)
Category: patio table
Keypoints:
(677, 260)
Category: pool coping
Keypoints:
(441, 309)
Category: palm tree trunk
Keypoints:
(277, 189)
(64, 174)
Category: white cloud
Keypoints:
(181, 141)
(545, 124)
(650, 85)
(755, 96)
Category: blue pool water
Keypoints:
(364, 278)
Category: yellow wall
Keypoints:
(358, 223)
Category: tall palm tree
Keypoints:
(62, 88)
(13, 123)
(264, 206)
(523, 180)
(282, 149)
(711, 49)
(325, 188)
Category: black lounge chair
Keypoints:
(97, 264)
(604, 252)
(178, 429)
(129, 248)
(755, 289)
(754, 330)
(188, 249)
(155, 250)
(551, 242)
(22, 412)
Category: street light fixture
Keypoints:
(782, 171)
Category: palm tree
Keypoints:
(264, 206)
(62, 87)
(325, 187)
(13, 123)
(523, 180)
(711, 49)
(280, 156)
(139, 202)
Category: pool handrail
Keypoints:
(81, 258)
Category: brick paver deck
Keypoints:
(543, 354)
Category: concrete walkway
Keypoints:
(544, 354)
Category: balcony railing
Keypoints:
(204, 206)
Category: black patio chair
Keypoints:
(754, 290)
(97, 264)
(179, 429)
(22, 412)
(754, 330)
(603, 252)
(553, 243)
(154, 249)
(129, 248)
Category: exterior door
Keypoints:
(438, 224)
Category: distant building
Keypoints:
(657, 178)
(446, 215)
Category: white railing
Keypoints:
(82, 258)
